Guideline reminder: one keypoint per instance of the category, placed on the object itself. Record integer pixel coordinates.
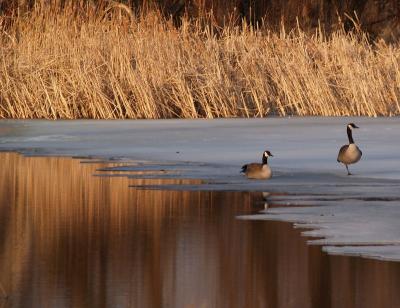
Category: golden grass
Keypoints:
(108, 64)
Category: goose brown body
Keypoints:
(349, 154)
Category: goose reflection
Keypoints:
(265, 196)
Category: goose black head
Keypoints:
(268, 154)
(352, 125)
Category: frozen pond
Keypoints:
(355, 215)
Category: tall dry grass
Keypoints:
(90, 63)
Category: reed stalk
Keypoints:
(111, 64)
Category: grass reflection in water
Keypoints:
(70, 239)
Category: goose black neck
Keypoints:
(350, 135)
(265, 160)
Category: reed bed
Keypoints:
(111, 64)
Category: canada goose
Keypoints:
(349, 153)
(259, 171)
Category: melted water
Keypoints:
(71, 239)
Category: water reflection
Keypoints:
(68, 239)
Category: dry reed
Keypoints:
(108, 64)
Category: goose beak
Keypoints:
(271, 155)
(355, 126)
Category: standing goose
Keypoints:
(349, 153)
(259, 171)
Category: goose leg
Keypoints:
(348, 172)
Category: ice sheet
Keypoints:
(360, 212)
(309, 144)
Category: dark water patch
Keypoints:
(69, 239)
